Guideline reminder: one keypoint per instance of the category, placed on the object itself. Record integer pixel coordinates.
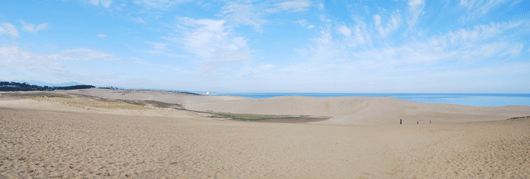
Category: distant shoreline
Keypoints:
(468, 99)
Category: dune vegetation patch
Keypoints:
(262, 117)
(25, 95)
(162, 104)
(249, 117)
(93, 103)
(521, 117)
(87, 101)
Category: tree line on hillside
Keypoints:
(15, 86)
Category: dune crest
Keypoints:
(76, 136)
(340, 110)
(364, 110)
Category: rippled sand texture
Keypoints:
(41, 143)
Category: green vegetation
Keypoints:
(35, 95)
(161, 104)
(145, 103)
(82, 96)
(522, 117)
(119, 103)
(250, 117)
(262, 117)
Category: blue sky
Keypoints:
(466, 46)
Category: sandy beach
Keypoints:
(87, 138)
(273, 89)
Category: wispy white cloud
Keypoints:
(415, 10)
(139, 20)
(203, 36)
(304, 23)
(513, 50)
(32, 28)
(330, 56)
(83, 54)
(326, 48)
(15, 58)
(361, 36)
(355, 35)
(54, 66)
(323, 18)
(157, 48)
(479, 8)
(261, 69)
(478, 32)
(104, 3)
(392, 25)
(246, 14)
(295, 6)
(9, 29)
(159, 4)
(214, 43)
(345, 31)
(461, 44)
(102, 36)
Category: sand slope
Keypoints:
(343, 110)
(55, 144)
(80, 138)
(364, 110)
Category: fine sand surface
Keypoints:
(341, 110)
(84, 138)
(38, 143)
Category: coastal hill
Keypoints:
(16, 86)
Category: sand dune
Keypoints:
(54, 144)
(363, 110)
(342, 110)
(85, 138)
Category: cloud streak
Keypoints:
(15, 58)
(392, 25)
(332, 56)
(157, 48)
(34, 29)
(9, 29)
(104, 3)
(294, 6)
(479, 8)
(415, 9)
(83, 54)
(159, 4)
(246, 14)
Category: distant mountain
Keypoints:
(25, 86)
(41, 83)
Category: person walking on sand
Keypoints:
(429, 121)
(400, 121)
(417, 122)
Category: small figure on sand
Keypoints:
(429, 121)
(400, 121)
(417, 122)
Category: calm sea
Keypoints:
(480, 99)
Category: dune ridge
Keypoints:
(340, 110)
(88, 137)
(364, 110)
(58, 144)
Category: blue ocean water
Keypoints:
(478, 99)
